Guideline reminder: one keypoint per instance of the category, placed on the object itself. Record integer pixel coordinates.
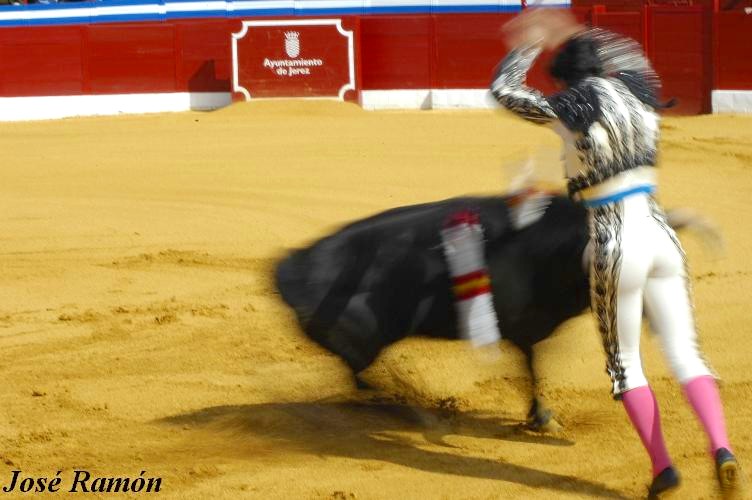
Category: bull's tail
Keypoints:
(709, 233)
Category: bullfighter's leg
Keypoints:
(620, 264)
(669, 306)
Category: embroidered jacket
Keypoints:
(606, 128)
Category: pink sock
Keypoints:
(642, 409)
(702, 394)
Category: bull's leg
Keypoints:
(361, 384)
(411, 405)
(540, 418)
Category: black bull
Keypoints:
(383, 278)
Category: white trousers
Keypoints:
(638, 261)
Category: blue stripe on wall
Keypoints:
(216, 13)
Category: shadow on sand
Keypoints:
(365, 430)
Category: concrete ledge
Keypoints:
(52, 107)
(732, 101)
(426, 99)
(396, 99)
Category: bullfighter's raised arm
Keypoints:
(511, 91)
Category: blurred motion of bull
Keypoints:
(385, 277)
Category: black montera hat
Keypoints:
(577, 59)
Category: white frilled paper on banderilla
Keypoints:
(540, 166)
(464, 251)
(531, 182)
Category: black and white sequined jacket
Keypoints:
(609, 134)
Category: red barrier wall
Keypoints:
(130, 59)
(440, 51)
(203, 62)
(395, 52)
(732, 43)
(177, 56)
(50, 65)
(630, 24)
(680, 47)
(466, 49)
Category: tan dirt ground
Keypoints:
(140, 330)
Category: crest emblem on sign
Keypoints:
(292, 43)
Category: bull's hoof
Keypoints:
(362, 385)
(544, 422)
(551, 427)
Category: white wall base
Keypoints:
(462, 98)
(724, 101)
(732, 101)
(395, 99)
(52, 107)
(426, 99)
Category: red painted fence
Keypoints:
(693, 49)
(116, 58)
(733, 64)
(680, 47)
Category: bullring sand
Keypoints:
(140, 329)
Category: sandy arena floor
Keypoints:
(139, 328)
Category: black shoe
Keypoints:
(664, 482)
(727, 470)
